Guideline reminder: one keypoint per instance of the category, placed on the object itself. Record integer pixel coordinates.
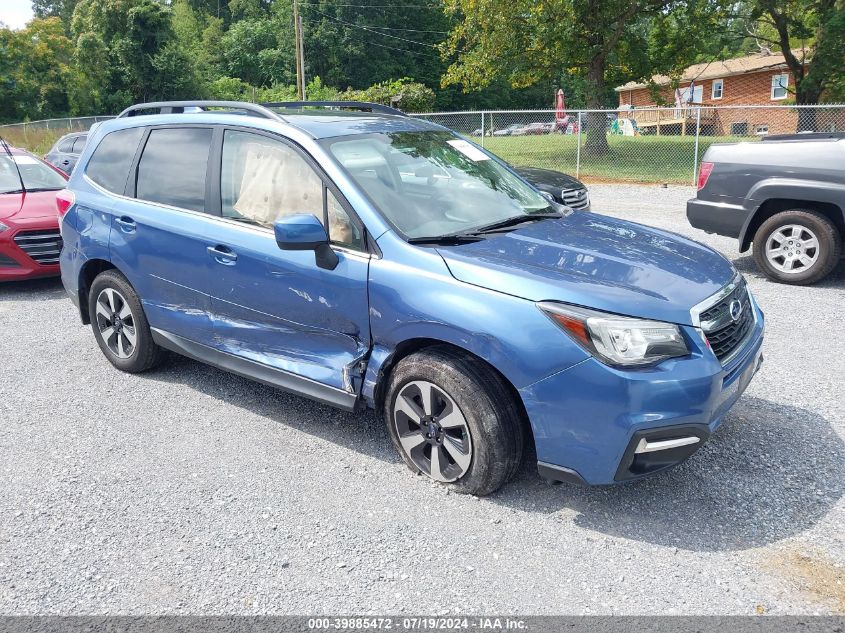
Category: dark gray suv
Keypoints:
(785, 195)
(66, 151)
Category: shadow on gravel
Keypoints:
(47, 288)
(769, 472)
(361, 432)
(748, 267)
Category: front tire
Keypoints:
(797, 247)
(453, 419)
(120, 325)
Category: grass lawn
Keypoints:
(36, 141)
(646, 159)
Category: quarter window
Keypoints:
(66, 146)
(172, 168)
(718, 89)
(780, 83)
(110, 164)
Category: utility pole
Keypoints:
(300, 52)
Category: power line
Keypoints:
(392, 28)
(392, 48)
(371, 30)
(379, 6)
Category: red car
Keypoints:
(30, 241)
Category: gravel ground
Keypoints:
(189, 490)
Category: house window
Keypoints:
(761, 129)
(779, 86)
(718, 89)
(695, 97)
(739, 128)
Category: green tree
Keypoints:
(529, 42)
(35, 70)
(126, 51)
(259, 51)
(811, 36)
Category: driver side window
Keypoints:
(264, 180)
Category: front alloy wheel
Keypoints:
(432, 431)
(453, 418)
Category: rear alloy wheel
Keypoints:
(120, 325)
(797, 247)
(455, 420)
(116, 323)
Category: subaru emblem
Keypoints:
(735, 309)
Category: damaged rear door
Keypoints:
(278, 308)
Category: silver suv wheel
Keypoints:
(792, 249)
(432, 431)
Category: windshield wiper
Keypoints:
(11, 191)
(511, 222)
(446, 240)
(43, 189)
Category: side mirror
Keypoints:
(304, 232)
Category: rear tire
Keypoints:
(798, 247)
(120, 325)
(479, 446)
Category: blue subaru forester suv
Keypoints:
(367, 259)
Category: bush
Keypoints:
(405, 94)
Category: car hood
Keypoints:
(549, 178)
(595, 261)
(29, 205)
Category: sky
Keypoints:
(15, 13)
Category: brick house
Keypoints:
(758, 79)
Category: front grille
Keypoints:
(725, 333)
(575, 198)
(42, 246)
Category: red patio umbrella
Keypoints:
(560, 107)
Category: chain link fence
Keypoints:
(644, 145)
(39, 136)
(641, 145)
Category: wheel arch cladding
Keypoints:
(87, 273)
(773, 206)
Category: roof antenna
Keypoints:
(14, 162)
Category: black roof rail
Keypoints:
(177, 107)
(805, 136)
(352, 105)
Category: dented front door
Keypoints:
(280, 309)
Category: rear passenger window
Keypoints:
(66, 146)
(172, 167)
(109, 166)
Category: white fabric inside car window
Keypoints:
(276, 183)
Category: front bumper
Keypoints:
(590, 420)
(15, 264)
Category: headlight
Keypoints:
(3, 227)
(618, 340)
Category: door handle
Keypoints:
(65, 162)
(223, 254)
(126, 224)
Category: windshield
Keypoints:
(36, 175)
(430, 184)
